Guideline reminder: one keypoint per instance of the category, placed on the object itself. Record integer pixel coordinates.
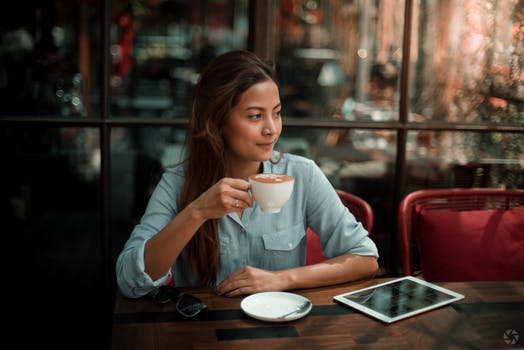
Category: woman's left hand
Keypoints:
(249, 280)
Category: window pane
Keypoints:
(50, 209)
(138, 157)
(468, 59)
(159, 47)
(339, 59)
(465, 159)
(50, 58)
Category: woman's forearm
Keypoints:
(344, 268)
(162, 249)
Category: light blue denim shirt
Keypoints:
(267, 241)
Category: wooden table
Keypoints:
(477, 322)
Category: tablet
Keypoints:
(398, 299)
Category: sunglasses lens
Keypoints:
(190, 306)
(186, 304)
(165, 294)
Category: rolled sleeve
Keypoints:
(132, 279)
(365, 247)
(348, 236)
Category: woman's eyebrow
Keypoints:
(254, 107)
(258, 108)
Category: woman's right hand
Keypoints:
(163, 248)
(227, 195)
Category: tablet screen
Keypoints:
(397, 299)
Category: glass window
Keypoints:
(138, 158)
(50, 59)
(468, 61)
(339, 59)
(159, 47)
(464, 159)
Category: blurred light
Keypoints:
(362, 53)
(58, 34)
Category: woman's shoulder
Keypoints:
(174, 172)
(295, 159)
(295, 165)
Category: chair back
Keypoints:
(462, 234)
(358, 207)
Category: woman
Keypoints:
(201, 223)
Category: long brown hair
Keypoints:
(218, 90)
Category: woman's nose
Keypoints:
(269, 127)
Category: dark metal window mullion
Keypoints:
(105, 166)
(400, 163)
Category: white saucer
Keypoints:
(269, 306)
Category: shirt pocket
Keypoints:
(284, 240)
(285, 248)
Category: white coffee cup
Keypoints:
(271, 191)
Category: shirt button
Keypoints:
(289, 245)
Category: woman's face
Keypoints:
(254, 124)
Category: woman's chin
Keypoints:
(267, 155)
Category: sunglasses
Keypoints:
(186, 304)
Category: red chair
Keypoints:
(462, 234)
(358, 207)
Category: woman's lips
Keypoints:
(267, 145)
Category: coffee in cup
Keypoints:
(271, 191)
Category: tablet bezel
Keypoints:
(454, 296)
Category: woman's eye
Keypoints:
(278, 113)
(255, 116)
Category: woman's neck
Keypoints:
(242, 171)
